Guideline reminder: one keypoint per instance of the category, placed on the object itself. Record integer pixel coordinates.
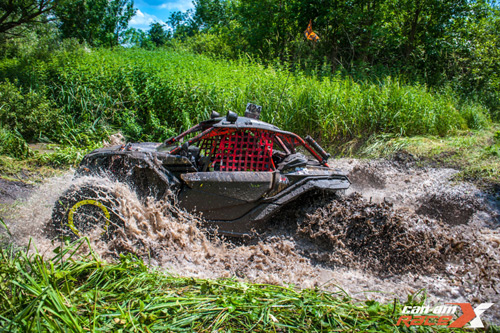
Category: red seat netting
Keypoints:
(240, 151)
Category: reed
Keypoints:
(151, 94)
(77, 293)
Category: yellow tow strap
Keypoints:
(71, 224)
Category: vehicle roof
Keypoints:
(241, 122)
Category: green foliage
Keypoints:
(134, 37)
(150, 94)
(352, 34)
(213, 44)
(12, 144)
(478, 62)
(39, 42)
(64, 156)
(434, 42)
(183, 24)
(157, 35)
(212, 13)
(83, 95)
(33, 117)
(72, 292)
(96, 22)
(22, 13)
(31, 114)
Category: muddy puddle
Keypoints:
(398, 229)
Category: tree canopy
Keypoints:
(157, 34)
(97, 22)
(14, 13)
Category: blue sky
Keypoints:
(149, 11)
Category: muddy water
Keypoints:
(398, 229)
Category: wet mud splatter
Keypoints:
(398, 229)
(11, 190)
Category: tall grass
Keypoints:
(82, 293)
(12, 144)
(151, 94)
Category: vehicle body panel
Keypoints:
(236, 171)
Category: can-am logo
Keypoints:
(443, 315)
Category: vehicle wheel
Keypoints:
(83, 209)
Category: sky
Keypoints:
(149, 11)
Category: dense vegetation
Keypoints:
(395, 67)
(78, 97)
(434, 42)
(75, 293)
(96, 22)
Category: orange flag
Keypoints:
(310, 34)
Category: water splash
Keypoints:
(326, 244)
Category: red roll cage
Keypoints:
(245, 148)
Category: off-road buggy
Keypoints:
(236, 171)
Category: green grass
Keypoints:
(475, 153)
(149, 95)
(25, 170)
(82, 293)
(40, 164)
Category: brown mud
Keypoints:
(12, 190)
(398, 229)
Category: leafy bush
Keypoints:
(31, 114)
(216, 44)
(150, 94)
(12, 144)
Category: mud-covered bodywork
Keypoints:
(236, 171)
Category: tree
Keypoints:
(133, 37)
(182, 24)
(15, 13)
(212, 13)
(97, 22)
(157, 34)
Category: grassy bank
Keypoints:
(148, 95)
(475, 153)
(87, 294)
